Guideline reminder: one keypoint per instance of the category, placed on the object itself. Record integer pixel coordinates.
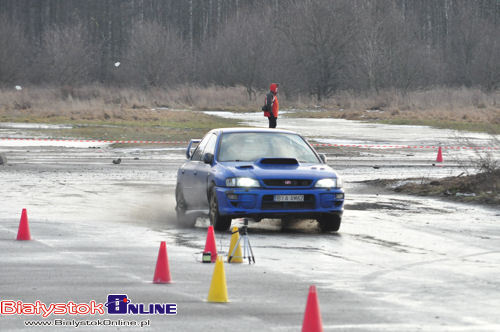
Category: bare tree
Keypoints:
(485, 66)
(314, 46)
(371, 52)
(465, 33)
(156, 56)
(320, 32)
(239, 53)
(13, 52)
(66, 56)
(388, 53)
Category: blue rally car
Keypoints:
(257, 173)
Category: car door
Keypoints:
(189, 173)
(202, 172)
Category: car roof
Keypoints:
(252, 130)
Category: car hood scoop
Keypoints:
(244, 167)
(278, 161)
(277, 168)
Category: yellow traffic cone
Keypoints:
(237, 256)
(218, 288)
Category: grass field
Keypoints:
(123, 124)
(121, 113)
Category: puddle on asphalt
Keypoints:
(373, 206)
(25, 125)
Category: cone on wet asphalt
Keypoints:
(162, 270)
(312, 316)
(23, 233)
(210, 244)
(237, 256)
(439, 157)
(218, 287)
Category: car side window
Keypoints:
(199, 149)
(210, 148)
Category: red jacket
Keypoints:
(274, 103)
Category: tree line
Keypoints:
(314, 47)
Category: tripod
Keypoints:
(247, 247)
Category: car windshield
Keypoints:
(257, 145)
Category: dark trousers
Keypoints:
(272, 122)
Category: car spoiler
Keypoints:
(188, 150)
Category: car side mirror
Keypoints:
(322, 156)
(208, 158)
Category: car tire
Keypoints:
(183, 220)
(329, 222)
(220, 223)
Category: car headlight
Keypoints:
(329, 183)
(242, 182)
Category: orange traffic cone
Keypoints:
(312, 316)
(210, 244)
(23, 233)
(162, 271)
(439, 158)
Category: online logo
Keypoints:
(8, 307)
(120, 304)
(117, 304)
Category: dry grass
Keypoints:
(93, 102)
(437, 98)
(132, 114)
(460, 108)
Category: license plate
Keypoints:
(288, 198)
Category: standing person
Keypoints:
(271, 105)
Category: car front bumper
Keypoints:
(259, 202)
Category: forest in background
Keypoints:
(311, 47)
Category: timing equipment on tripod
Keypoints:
(247, 247)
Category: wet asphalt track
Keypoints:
(399, 263)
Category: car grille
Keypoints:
(268, 203)
(287, 183)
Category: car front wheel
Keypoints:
(329, 222)
(220, 223)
